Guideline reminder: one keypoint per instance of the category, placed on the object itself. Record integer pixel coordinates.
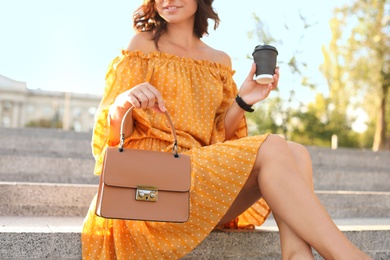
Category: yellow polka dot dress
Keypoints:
(197, 95)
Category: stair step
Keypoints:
(338, 178)
(41, 132)
(42, 219)
(43, 140)
(59, 238)
(53, 168)
(40, 238)
(349, 158)
(47, 169)
(45, 199)
(346, 204)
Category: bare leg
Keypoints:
(291, 199)
(291, 244)
(294, 247)
(288, 189)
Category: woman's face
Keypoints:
(175, 11)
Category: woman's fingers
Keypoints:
(146, 96)
(251, 73)
(157, 99)
(276, 78)
(143, 97)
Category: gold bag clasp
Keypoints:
(146, 193)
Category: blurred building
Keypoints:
(23, 107)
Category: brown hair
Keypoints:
(146, 18)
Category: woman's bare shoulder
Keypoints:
(142, 41)
(219, 57)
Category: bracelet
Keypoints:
(243, 105)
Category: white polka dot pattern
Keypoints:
(197, 95)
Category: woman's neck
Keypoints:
(180, 37)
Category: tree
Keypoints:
(309, 124)
(273, 118)
(357, 62)
(277, 112)
(318, 122)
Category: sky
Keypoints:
(66, 45)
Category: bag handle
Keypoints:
(175, 149)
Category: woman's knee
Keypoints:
(299, 151)
(274, 144)
(303, 161)
(271, 149)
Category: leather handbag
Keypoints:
(144, 185)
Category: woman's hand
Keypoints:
(252, 92)
(142, 96)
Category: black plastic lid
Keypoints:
(265, 47)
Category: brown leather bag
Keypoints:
(144, 185)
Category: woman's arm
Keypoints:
(251, 93)
(142, 96)
(233, 118)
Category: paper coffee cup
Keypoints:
(265, 57)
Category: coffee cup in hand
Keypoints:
(265, 58)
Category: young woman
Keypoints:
(168, 67)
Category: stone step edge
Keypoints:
(95, 186)
(57, 184)
(43, 224)
(86, 155)
(63, 242)
(34, 199)
(351, 192)
(61, 184)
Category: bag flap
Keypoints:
(134, 167)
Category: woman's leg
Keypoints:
(291, 199)
(294, 247)
(290, 195)
(291, 244)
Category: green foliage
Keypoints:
(357, 68)
(265, 118)
(314, 124)
(310, 130)
(366, 139)
(357, 64)
(320, 122)
(45, 123)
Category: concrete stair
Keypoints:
(47, 183)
